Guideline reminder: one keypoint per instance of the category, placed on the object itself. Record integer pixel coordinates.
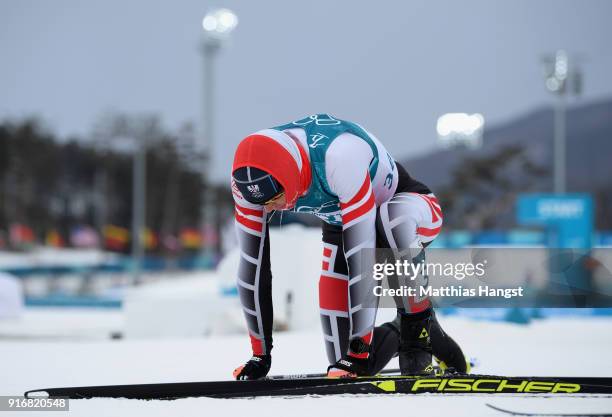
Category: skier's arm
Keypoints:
(254, 278)
(348, 176)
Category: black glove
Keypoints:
(349, 367)
(257, 367)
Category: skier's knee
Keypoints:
(396, 226)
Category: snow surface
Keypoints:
(60, 324)
(570, 347)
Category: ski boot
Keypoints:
(415, 352)
(443, 369)
(446, 351)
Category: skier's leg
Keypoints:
(411, 220)
(405, 222)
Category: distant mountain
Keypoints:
(589, 148)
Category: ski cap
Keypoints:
(274, 162)
(256, 186)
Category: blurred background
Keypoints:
(118, 123)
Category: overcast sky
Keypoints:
(393, 66)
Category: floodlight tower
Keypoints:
(560, 79)
(217, 26)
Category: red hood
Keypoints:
(266, 153)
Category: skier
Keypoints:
(341, 173)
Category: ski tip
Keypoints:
(36, 393)
(502, 410)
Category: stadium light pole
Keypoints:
(559, 79)
(217, 25)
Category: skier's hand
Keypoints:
(257, 367)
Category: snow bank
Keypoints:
(65, 257)
(185, 305)
(11, 296)
(194, 304)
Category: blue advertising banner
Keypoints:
(568, 218)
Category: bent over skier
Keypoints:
(341, 173)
